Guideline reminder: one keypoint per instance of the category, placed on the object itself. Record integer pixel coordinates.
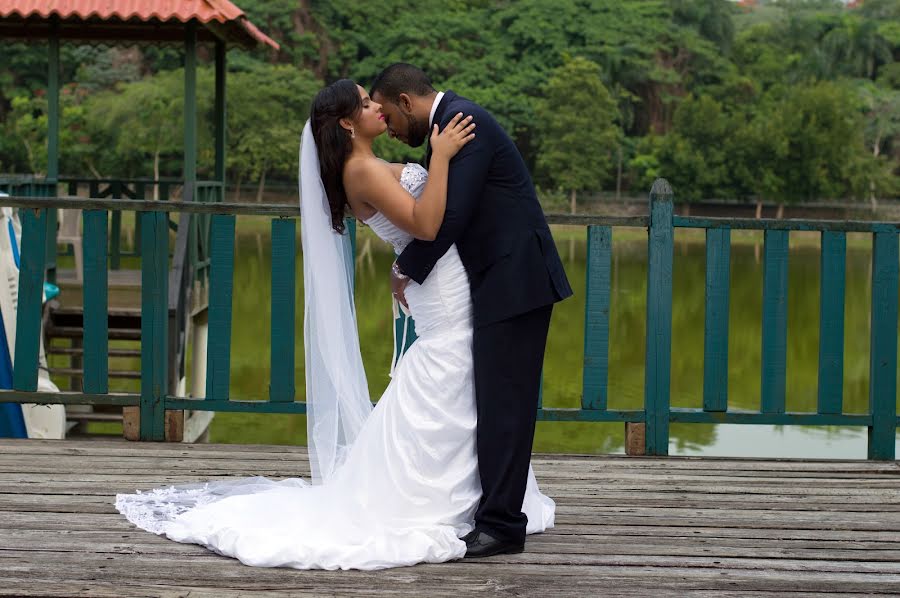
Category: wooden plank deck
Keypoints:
(625, 526)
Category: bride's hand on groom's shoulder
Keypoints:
(458, 132)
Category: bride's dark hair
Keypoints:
(333, 142)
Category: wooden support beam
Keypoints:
(219, 117)
(190, 110)
(657, 375)
(635, 438)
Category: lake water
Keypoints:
(563, 365)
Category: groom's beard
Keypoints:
(417, 131)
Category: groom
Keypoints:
(494, 218)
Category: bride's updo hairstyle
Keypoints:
(333, 142)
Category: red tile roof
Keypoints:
(204, 11)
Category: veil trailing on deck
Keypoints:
(401, 482)
(337, 394)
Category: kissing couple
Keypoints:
(440, 468)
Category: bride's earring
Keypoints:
(352, 133)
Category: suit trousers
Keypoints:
(508, 357)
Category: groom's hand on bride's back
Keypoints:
(399, 282)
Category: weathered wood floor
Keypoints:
(625, 526)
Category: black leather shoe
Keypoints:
(479, 544)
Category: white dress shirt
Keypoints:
(437, 100)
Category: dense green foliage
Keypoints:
(789, 101)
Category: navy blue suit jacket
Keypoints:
(494, 218)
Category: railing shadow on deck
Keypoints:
(650, 424)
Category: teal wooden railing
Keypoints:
(168, 189)
(118, 189)
(30, 186)
(657, 414)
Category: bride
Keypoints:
(395, 485)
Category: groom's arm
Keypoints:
(467, 177)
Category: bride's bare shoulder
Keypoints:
(397, 169)
(360, 169)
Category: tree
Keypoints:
(146, 121)
(856, 48)
(266, 111)
(882, 117)
(577, 118)
(694, 156)
(28, 130)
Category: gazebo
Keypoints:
(185, 22)
(182, 22)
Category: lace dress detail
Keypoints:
(413, 178)
(409, 486)
(154, 510)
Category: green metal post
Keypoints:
(659, 319)
(219, 116)
(190, 110)
(52, 145)
(53, 107)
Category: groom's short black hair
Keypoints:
(401, 78)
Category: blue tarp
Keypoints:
(12, 424)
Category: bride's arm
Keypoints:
(375, 184)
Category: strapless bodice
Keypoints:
(413, 179)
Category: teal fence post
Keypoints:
(350, 250)
(50, 252)
(96, 324)
(883, 334)
(659, 319)
(221, 284)
(833, 261)
(115, 241)
(31, 290)
(154, 323)
(774, 321)
(596, 318)
(284, 292)
(715, 338)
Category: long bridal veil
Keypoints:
(337, 394)
(372, 512)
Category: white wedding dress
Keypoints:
(408, 488)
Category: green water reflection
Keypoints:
(563, 365)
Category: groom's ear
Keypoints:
(405, 102)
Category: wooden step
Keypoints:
(133, 334)
(131, 375)
(75, 319)
(80, 351)
(113, 312)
